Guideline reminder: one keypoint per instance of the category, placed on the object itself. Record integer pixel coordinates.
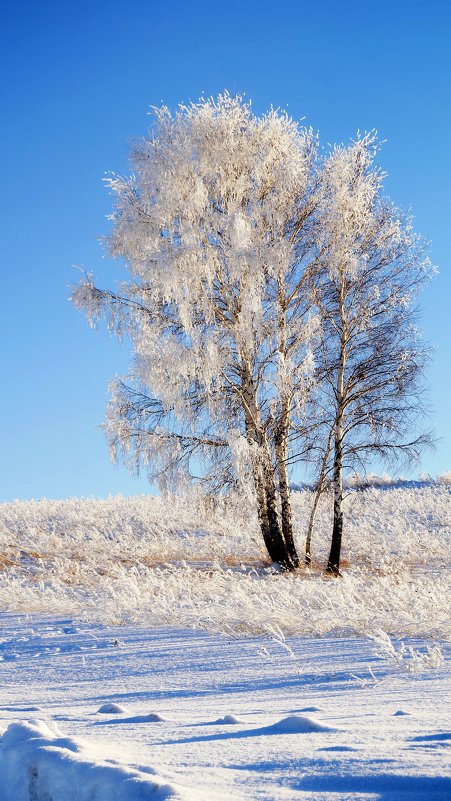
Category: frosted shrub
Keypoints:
(406, 657)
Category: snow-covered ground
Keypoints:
(148, 652)
(202, 717)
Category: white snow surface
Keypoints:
(321, 723)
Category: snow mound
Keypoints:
(37, 762)
(152, 717)
(334, 748)
(112, 709)
(400, 713)
(227, 719)
(297, 724)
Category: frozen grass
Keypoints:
(180, 562)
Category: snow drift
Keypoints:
(37, 763)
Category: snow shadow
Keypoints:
(295, 682)
(317, 776)
(150, 695)
(387, 786)
(152, 717)
(428, 738)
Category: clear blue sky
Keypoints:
(77, 81)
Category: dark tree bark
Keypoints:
(285, 500)
(264, 476)
(333, 565)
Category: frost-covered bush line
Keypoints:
(398, 529)
(406, 657)
(143, 527)
(359, 481)
(177, 562)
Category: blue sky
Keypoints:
(77, 82)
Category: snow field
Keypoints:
(209, 718)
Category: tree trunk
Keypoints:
(286, 556)
(263, 470)
(270, 531)
(308, 541)
(281, 439)
(333, 565)
(285, 500)
(319, 490)
(262, 510)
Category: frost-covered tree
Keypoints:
(370, 359)
(258, 272)
(217, 226)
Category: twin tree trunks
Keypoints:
(277, 530)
